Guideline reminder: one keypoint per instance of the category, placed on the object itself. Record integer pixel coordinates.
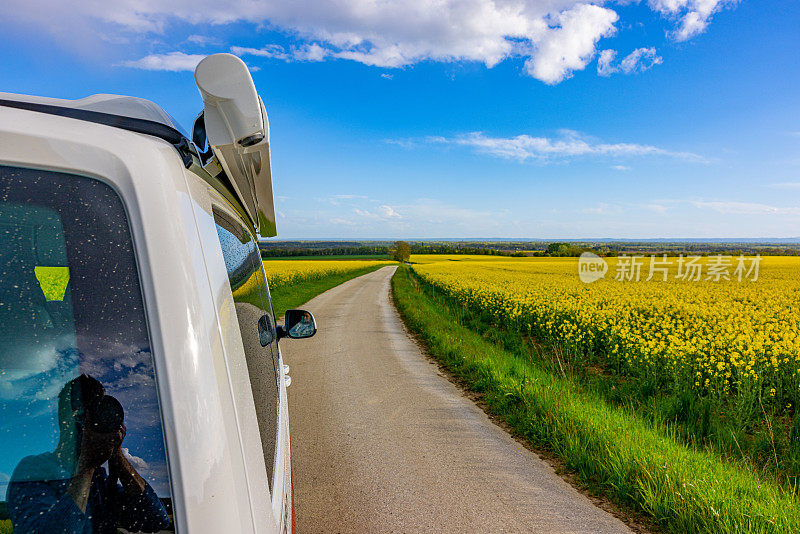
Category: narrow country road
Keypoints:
(381, 442)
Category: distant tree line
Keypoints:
(347, 250)
(278, 249)
(699, 249)
(458, 248)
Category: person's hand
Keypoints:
(96, 448)
(121, 469)
(117, 456)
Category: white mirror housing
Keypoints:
(237, 130)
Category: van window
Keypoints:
(256, 325)
(81, 439)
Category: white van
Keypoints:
(141, 383)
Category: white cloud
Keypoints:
(786, 185)
(381, 219)
(605, 65)
(311, 52)
(620, 167)
(306, 52)
(692, 16)
(571, 45)
(389, 213)
(173, 61)
(569, 144)
(658, 208)
(366, 213)
(554, 37)
(382, 212)
(336, 200)
(745, 208)
(203, 40)
(410, 143)
(446, 217)
(639, 60)
(270, 50)
(136, 462)
(603, 209)
(342, 222)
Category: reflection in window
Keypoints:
(254, 314)
(81, 441)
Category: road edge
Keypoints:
(633, 519)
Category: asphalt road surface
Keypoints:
(382, 442)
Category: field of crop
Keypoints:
(732, 346)
(631, 442)
(282, 273)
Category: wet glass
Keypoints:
(257, 327)
(81, 438)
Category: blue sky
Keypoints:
(473, 118)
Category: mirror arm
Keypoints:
(281, 331)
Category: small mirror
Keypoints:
(200, 140)
(266, 333)
(300, 324)
(199, 132)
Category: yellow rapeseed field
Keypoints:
(281, 273)
(723, 338)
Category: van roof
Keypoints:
(122, 106)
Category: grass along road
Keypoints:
(610, 449)
(717, 362)
(381, 442)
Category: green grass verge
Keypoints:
(292, 296)
(611, 450)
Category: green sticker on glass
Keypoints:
(53, 280)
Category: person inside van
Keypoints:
(68, 490)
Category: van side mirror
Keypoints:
(299, 324)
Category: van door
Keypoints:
(256, 325)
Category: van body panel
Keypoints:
(210, 452)
(204, 199)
